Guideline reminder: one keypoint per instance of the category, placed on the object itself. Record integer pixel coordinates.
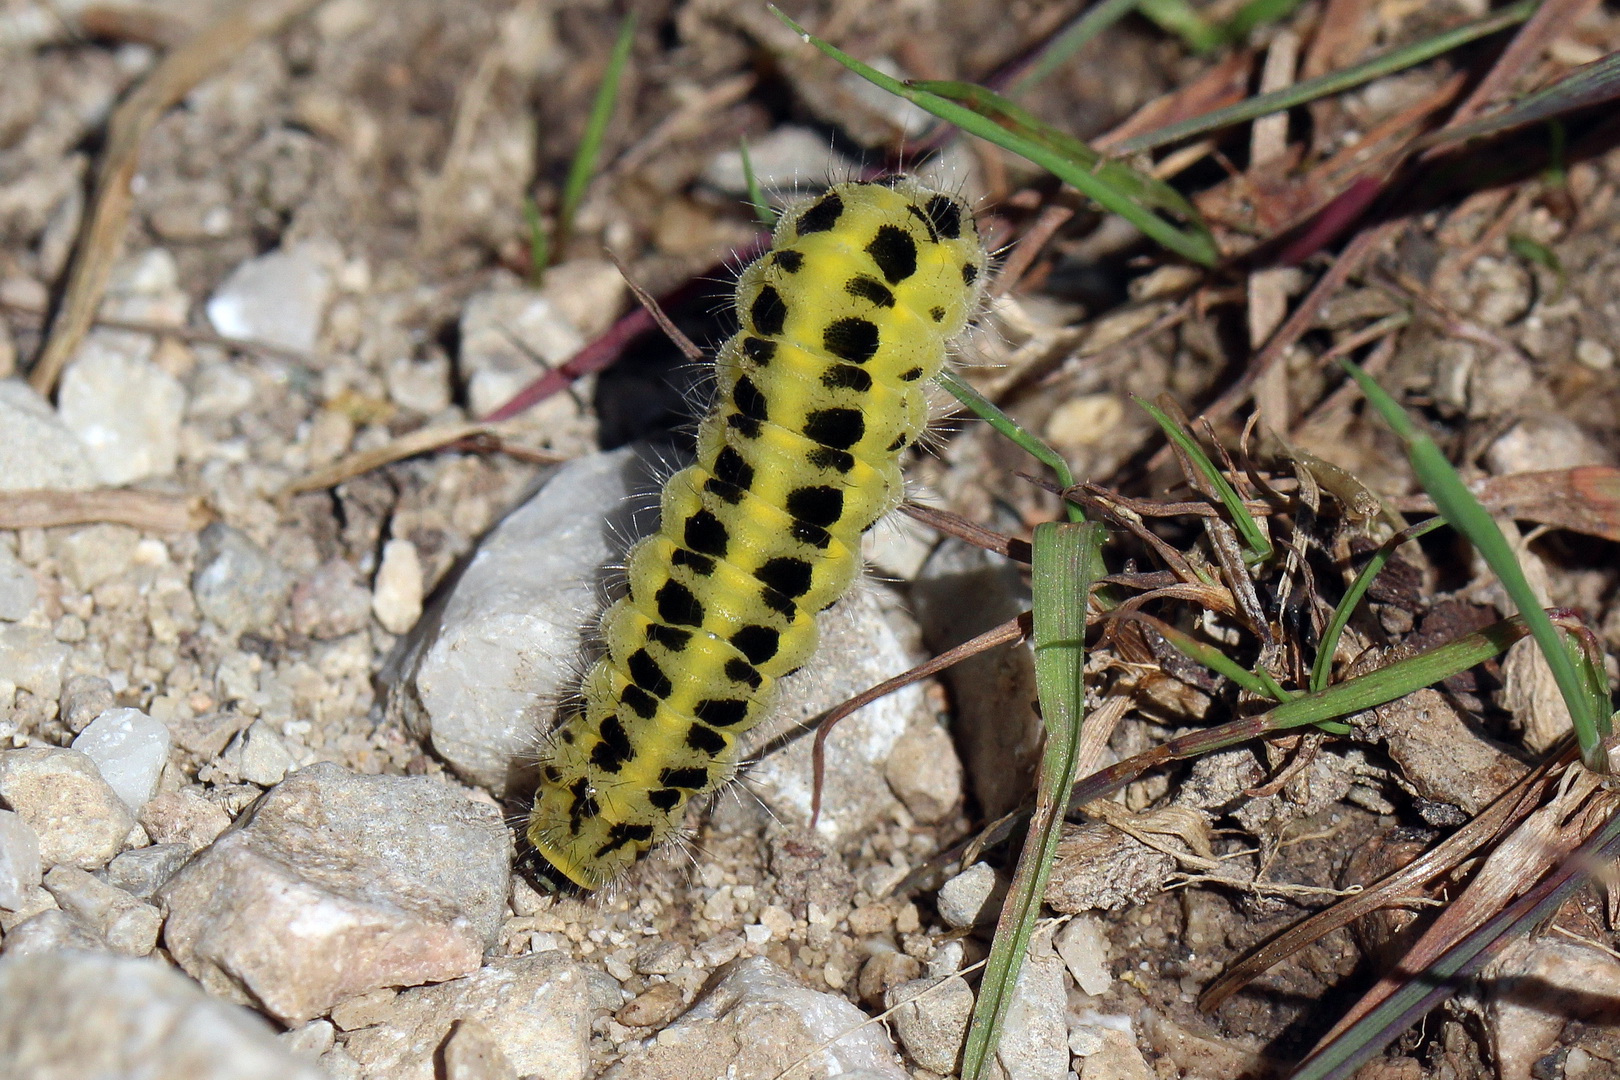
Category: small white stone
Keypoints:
(971, 897)
(422, 387)
(396, 597)
(60, 793)
(1594, 354)
(507, 335)
(125, 923)
(19, 861)
(38, 452)
(125, 410)
(264, 756)
(1083, 944)
(19, 588)
(278, 298)
(130, 748)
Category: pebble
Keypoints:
(372, 1007)
(19, 588)
(130, 749)
(78, 817)
(656, 1006)
(1540, 988)
(335, 884)
(1083, 945)
(471, 1053)
(536, 1008)
(788, 160)
(396, 597)
(278, 298)
(972, 898)
(1545, 441)
(754, 1020)
(509, 336)
(142, 871)
(931, 1018)
(183, 818)
(419, 386)
(19, 860)
(31, 659)
(236, 583)
(924, 771)
(1114, 1055)
(219, 391)
(52, 931)
(93, 1014)
(34, 900)
(331, 602)
(39, 452)
(95, 554)
(882, 972)
(124, 409)
(128, 925)
(83, 698)
(260, 755)
(310, 1040)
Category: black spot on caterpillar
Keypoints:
(842, 323)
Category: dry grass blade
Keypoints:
(420, 441)
(103, 230)
(149, 511)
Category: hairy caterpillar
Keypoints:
(843, 322)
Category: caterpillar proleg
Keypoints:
(844, 320)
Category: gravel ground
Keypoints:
(268, 705)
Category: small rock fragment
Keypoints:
(84, 697)
(372, 1007)
(78, 817)
(262, 757)
(19, 861)
(335, 884)
(924, 771)
(656, 1006)
(397, 596)
(130, 749)
(1083, 944)
(310, 1040)
(471, 1053)
(125, 923)
(142, 871)
(125, 410)
(278, 298)
(98, 1015)
(507, 334)
(755, 1020)
(31, 659)
(34, 900)
(183, 818)
(882, 972)
(330, 602)
(236, 584)
(536, 1008)
(52, 931)
(931, 1018)
(95, 554)
(1100, 868)
(38, 452)
(19, 588)
(972, 897)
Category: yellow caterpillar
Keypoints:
(843, 322)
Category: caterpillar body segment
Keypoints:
(844, 321)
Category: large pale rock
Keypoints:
(78, 817)
(757, 1020)
(536, 1009)
(482, 671)
(333, 885)
(38, 452)
(77, 1014)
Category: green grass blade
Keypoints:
(1259, 545)
(1322, 668)
(756, 194)
(539, 243)
(1067, 561)
(585, 160)
(1334, 81)
(1194, 244)
(1588, 713)
(990, 413)
(1144, 189)
(1179, 18)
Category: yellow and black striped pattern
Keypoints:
(843, 322)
